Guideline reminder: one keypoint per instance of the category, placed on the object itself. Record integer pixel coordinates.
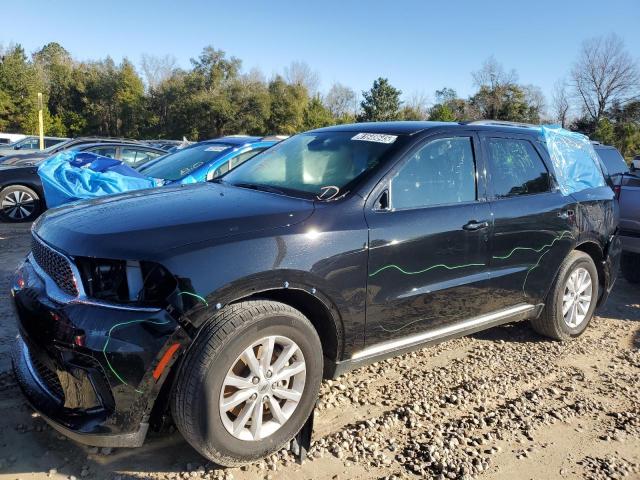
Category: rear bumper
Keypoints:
(610, 266)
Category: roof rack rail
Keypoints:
(503, 123)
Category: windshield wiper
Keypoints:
(259, 187)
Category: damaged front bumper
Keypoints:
(93, 372)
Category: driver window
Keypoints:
(441, 172)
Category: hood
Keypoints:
(23, 159)
(143, 225)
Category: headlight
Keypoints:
(120, 281)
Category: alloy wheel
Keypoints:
(262, 388)
(577, 297)
(18, 205)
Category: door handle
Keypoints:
(473, 225)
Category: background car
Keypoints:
(21, 192)
(209, 159)
(28, 144)
(629, 199)
(9, 138)
(169, 145)
(31, 157)
(613, 163)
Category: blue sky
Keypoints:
(419, 45)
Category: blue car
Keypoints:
(207, 160)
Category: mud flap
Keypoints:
(302, 441)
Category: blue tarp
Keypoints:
(70, 176)
(574, 160)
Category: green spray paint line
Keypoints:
(531, 269)
(196, 296)
(104, 349)
(440, 265)
(537, 250)
(563, 234)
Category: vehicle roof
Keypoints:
(414, 127)
(238, 139)
(232, 140)
(122, 144)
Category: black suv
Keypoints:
(225, 303)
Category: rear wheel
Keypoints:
(572, 300)
(630, 265)
(19, 204)
(249, 382)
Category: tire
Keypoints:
(19, 204)
(551, 322)
(630, 264)
(195, 402)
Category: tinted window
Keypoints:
(104, 151)
(613, 161)
(515, 168)
(28, 144)
(441, 172)
(183, 162)
(243, 157)
(136, 156)
(50, 142)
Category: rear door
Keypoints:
(428, 241)
(533, 222)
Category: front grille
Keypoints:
(48, 377)
(55, 265)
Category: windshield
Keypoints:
(613, 161)
(181, 163)
(24, 141)
(317, 164)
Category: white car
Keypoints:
(6, 138)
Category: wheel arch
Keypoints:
(325, 318)
(594, 250)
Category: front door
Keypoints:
(428, 241)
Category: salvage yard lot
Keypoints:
(504, 403)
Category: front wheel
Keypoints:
(249, 382)
(572, 300)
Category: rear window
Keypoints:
(613, 161)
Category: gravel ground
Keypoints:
(504, 403)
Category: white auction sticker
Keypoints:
(216, 148)
(375, 137)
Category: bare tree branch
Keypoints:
(604, 73)
(560, 103)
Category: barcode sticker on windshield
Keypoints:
(216, 148)
(375, 137)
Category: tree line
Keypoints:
(599, 96)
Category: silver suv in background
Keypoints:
(629, 197)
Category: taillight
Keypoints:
(616, 191)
